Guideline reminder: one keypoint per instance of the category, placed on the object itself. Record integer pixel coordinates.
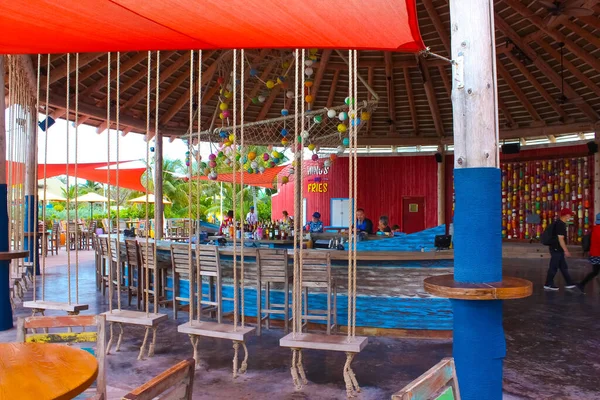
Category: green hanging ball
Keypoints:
(250, 170)
(299, 139)
(237, 157)
(221, 154)
(202, 165)
(255, 100)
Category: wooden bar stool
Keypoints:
(149, 264)
(316, 274)
(118, 262)
(134, 270)
(180, 259)
(210, 268)
(104, 263)
(272, 267)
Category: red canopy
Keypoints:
(65, 26)
(266, 179)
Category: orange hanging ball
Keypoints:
(309, 99)
(332, 157)
(308, 83)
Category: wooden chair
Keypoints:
(176, 383)
(104, 263)
(86, 336)
(54, 239)
(117, 261)
(316, 274)
(134, 265)
(180, 259)
(210, 268)
(438, 383)
(272, 267)
(149, 263)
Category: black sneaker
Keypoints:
(550, 287)
(580, 287)
(572, 286)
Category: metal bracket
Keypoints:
(458, 72)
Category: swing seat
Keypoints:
(135, 317)
(316, 341)
(55, 305)
(216, 330)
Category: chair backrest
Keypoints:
(103, 241)
(316, 270)
(176, 383)
(147, 255)
(210, 263)
(272, 265)
(72, 321)
(133, 252)
(438, 383)
(180, 257)
(56, 228)
(114, 249)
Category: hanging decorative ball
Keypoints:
(285, 64)
(212, 164)
(275, 154)
(232, 138)
(311, 147)
(289, 94)
(253, 72)
(332, 157)
(223, 106)
(349, 101)
(317, 148)
(341, 128)
(251, 155)
(365, 116)
(271, 164)
(261, 98)
(315, 157)
(255, 100)
(308, 83)
(227, 143)
(229, 87)
(270, 84)
(312, 52)
(244, 160)
(276, 160)
(220, 155)
(341, 149)
(280, 79)
(305, 134)
(220, 80)
(331, 113)
(355, 122)
(291, 171)
(343, 116)
(212, 176)
(261, 169)
(309, 98)
(187, 163)
(266, 156)
(346, 141)
(221, 116)
(308, 71)
(226, 113)
(284, 132)
(284, 142)
(327, 163)
(152, 149)
(212, 157)
(227, 94)
(250, 170)
(318, 119)
(285, 179)
(285, 112)
(308, 63)
(223, 134)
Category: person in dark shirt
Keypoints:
(384, 224)
(558, 252)
(363, 224)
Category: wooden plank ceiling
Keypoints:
(414, 92)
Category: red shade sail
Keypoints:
(266, 179)
(66, 26)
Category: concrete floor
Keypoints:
(552, 339)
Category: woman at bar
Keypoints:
(315, 226)
(384, 225)
(228, 220)
(287, 221)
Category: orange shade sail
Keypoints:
(267, 179)
(68, 26)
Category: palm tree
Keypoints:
(90, 187)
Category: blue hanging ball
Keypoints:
(152, 149)
(346, 141)
(284, 132)
(253, 72)
(223, 134)
(244, 160)
(355, 122)
(276, 160)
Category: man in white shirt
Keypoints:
(252, 218)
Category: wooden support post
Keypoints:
(479, 346)
(158, 186)
(441, 186)
(31, 200)
(5, 307)
(596, 177)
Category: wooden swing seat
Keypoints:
(317, 341)
(135, 317)
(55, 305)
(216, 330)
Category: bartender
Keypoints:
(251, 217)
(315, 226)
(287, 220)
(363, 224)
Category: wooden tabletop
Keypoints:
(13, 254)
(508, 288)
(44, 371)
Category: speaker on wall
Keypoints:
(511, 148)
(438, 157)
(592, 147)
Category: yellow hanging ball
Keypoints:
(309, 98)
(223, 106)
(311, 147)
(227, 94)
(232, 138)
(341, 128)
(284, 142)
(313, 51)
(285, 179)
(251, 156)
(227, 143)
(275, 154)
(221, 116)
(285, 64)
(270, 84)
(365, 116)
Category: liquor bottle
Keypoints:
(271, 232)
(277, 235)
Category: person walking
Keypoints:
(559, 250)
(594, 255)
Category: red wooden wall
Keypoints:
(382, 183)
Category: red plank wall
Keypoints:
(382, 183)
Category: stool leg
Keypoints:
(268, 306)
(258, 307)
(286, 308)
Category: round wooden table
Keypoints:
(44, 371)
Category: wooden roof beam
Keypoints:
(581, 32)
(319, 76)
(517, 91)
(334, 81)
(553, 33)
(438, 25)
(544, 68)
(126, 66)
(58, 113)
(541, 90)
(411, 100)
(82, 119)
(446, 79)
(431, 98)
(506, 113)
(183, 100)
(83, 75)
(390, 90)
(59, 72)
(369, 97)
(269, 102)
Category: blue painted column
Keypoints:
(6, 321)
(31, 242)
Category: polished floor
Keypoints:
(553, 348)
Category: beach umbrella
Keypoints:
(91, 198)
(49, 196)
(151, 200)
